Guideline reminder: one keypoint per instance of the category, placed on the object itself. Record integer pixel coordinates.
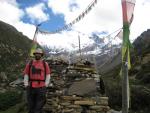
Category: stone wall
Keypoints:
(76, 104)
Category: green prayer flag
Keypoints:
(126, 45)
(33, 48)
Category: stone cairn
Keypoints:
(70, 90)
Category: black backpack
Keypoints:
(30, 64)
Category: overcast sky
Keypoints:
(103, 19)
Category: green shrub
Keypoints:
(114, 92)
(140, 96)
(8, 99)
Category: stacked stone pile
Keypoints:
(75, 91)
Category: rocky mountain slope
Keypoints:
(14, 49)
(139, 76)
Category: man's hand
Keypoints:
(25, 81)
(47, 81)
(26, 85)
(46, 84)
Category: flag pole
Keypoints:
(34, 41)
(125, 83)
(36, 30)
(127, 12)
(79, 46)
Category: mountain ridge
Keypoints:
(14, 47)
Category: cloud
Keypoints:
(11, 14)
(26, 29)
(9, 11)
(68, 8)
(37, 14)
(13, 2)
(64, 40)
(141, 18)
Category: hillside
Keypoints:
(139, 76)
(14, 49)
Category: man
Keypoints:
(36, 79)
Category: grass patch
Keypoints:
(15, 109)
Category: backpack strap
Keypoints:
(44, 64)
(30, 64)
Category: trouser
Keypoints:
(36, 98)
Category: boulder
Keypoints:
(3, 76)
(83, 87)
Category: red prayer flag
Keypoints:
(127, 10)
